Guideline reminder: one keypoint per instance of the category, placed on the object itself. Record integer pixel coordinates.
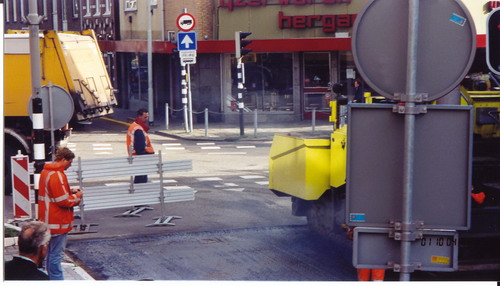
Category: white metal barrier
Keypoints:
(137, 196)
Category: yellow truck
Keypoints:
(69, 60)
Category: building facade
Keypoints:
(299, 47)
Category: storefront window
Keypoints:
(316, 69)
(268, 80)
(316, 79)
(138, 76)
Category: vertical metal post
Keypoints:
(162, 192)
(409, 140)
(51, 116)
(255, 121)
(80, 184)
(241, 89)
(36, 83)
(206, 122)
(313, 123)
(184, 96)
(150, 66)
(167, 119)
(190, 98)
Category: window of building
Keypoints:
(138, 76)
(108, 8)
(44, 8)
(7, 11)
(14, 10)
(97, 8)
(268, 82)
(130, 5)
(316, 79)
(87, 7)
(76, 9)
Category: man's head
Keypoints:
(65, 156)
(143, 115)
(33, 240)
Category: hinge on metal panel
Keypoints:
(406, 232)
(419, 97)
(403, 109)
(404, 268)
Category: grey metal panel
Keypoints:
(442, 176)
(374, 249)
(445, 48)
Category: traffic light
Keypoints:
(241, 43)
(493, 41)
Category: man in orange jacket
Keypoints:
(138, 142)
(55, 207)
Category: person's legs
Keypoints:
(55, 255)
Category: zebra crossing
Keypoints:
(210, 148)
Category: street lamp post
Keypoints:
(150, 63)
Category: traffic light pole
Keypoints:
(241, 89)
(36, 82)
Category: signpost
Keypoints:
(413, 52)
(187, 45)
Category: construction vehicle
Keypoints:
(313, 173)
(69, 60)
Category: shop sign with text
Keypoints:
(329, 23)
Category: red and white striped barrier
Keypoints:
(21, 186)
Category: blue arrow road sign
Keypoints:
(186, 41)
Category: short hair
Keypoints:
(64, 153)
(33, 235)
(141, 111)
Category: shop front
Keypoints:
(299, 49)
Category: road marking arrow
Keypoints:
(187, 41)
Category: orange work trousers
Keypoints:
(376, 274)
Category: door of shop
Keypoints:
(316, 78)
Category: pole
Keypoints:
(190, 98)
(206, 122)
(255, 122)
(313, 123)
(167, 119)
(36, 82)
(51, 115)
(184, 96)
(150, 66)
(409, 141)
(241, 89)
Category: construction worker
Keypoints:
(365, 274)
(55, 207)
(138, 142)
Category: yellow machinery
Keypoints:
(70, 60)
(313, 173)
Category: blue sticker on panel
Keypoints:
(357, 217)
(457, 19)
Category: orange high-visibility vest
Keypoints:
(130, 139)
(55, 200)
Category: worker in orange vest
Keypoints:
(55, 207)
(138, 142)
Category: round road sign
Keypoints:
(186, 22)
(446, 46)
(62, 103)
